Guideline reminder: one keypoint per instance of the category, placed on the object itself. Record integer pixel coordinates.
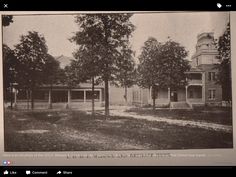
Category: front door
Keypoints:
(174, 96)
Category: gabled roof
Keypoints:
(64, 60)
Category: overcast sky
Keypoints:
(181, 27)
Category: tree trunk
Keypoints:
(11, 96)
(106, 97)
(28, 97)
(93, 96)
(126, 94)
(153, 98)
(50, 97)
(32, 98)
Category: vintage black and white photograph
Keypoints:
(117, 81)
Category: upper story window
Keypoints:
(211, 76)
(195, 76)
(197, 61)
(211, 94)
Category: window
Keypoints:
(197, 61)
(211, 94)
(135, 96)
(89, 95)
(196, 76)
(211, 76)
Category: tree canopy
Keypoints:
(224, 75)
(173, 65)
(149, 68)
(10, 64)
(7, 19)
(72, 76)
(52, 72)
(163, 64)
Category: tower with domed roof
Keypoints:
(203, 67)
(206, 51)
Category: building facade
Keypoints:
(202, 88)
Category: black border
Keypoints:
(109, 171)
(121, 5)
(116, 5)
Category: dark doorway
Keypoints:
(174, 96)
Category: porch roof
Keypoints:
(63, 86)
(195, 70)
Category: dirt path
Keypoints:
(199, 124)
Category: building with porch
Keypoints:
(61, 96)
(202, 88)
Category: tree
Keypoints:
(149, 67)
(224, 75)
(87, 66)
(86, 55)
(9, 71)
(32, 54)
(9, 62)
(104, 34)
(52, 74)
(126, 74)
(71, 76)
(7, 19)
(162, 65)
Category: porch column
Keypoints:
(169, 94)
(150, 94)
(100, 95)
(84, 96)
(49, 99)
(186, 93)
(69, 99)
(141, 97)
(203, 93)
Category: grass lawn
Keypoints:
(77, 131)
(220, 115)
